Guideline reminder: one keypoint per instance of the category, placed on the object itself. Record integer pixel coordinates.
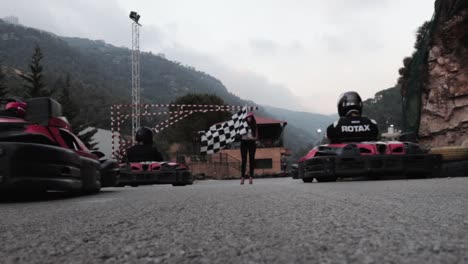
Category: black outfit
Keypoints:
(251, 147)
(353, 129)
(139, 153)
(9, 113)
(284, 164)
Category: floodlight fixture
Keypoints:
(134, 16)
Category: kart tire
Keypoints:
(178, 184)
(415, 176)
(307, 180)
(91, 183)
(109, 173)
(326, 179)
(183, 171)
(455, 169)
(453, 153)
(93, 190)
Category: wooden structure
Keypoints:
(270, 148)
(226, 164)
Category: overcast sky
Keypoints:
(296, 54)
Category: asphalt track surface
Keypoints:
(271, 221)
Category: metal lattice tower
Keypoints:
(135, 78)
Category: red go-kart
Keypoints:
(38, 151)
(328, 162)
(154, 172)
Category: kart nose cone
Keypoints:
(381, 148)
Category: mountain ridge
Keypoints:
(103, 69)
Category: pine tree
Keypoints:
(3, 86)
(35, 83)
(69, 108)
(71, 111)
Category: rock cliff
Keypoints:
(444, 105)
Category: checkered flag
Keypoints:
(220, 135)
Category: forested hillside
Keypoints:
(161, 80)
(102, 67)
(100, 76)
(385, 108)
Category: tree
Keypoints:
(385, 108)
(34, 80)
(71, 110)
(421, 33)
(185, 131)
(3, 86)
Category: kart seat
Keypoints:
(41, 109)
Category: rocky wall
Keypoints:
(444, 116)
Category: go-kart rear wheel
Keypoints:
(326, 179)
(307, 179)
(454, 169)
(178, 184)
(90, 181)
(109, 173)
(415, 176)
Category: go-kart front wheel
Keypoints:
(326, 179)
(307, 179)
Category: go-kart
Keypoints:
(39, 152)
(327, 163)
(154, 172)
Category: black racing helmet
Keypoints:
(349, 102)
(145, 135)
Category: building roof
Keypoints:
(268, 121)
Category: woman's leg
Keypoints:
(243, 157)
(252, 149)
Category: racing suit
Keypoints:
(139, 153)
(353, 129)
(9, 113)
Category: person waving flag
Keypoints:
(220, 135)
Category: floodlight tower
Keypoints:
(135, 17)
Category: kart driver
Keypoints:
(352, 127)
(14, 108)
(144, 149)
